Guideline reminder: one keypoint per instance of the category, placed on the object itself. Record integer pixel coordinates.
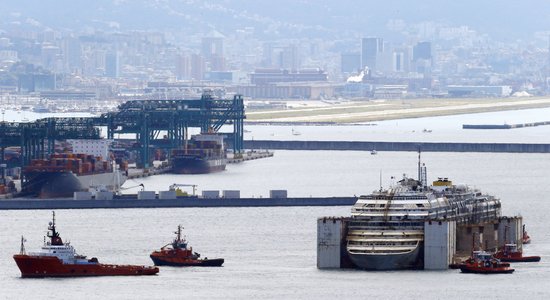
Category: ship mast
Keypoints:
(422, 173)
(23, 240)
(54, 235)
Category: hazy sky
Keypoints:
(504, 19)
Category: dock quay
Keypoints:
(132, 201)
(249, 155)
(397, 146)
(138, 173)
(504, 126)
(232, 159)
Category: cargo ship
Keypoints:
(177, 254)
(203, 153)
(59, 259)
(386, 230)
(60, 175)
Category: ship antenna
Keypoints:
(380, 180)
(419, 168)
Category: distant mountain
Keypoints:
(506, 19)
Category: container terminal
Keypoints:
(49, 170)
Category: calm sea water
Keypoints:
(271, 252)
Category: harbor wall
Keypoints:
(6, 204)
(397, 146)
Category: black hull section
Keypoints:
(197, 165)
(51, 184)
(217, 262)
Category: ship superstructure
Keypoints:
(386, 230)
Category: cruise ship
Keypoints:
(386, 230)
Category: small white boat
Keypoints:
(373, 152)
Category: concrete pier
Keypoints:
(152, 202)
(249, 155)
(504, 126)
(397, 146)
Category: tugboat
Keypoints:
(511, 253)
(482, 262)
(177, 254)
(59, 259)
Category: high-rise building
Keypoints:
(350, 62)
(183, 66)
(198, 67)
(72, 55)
(112, 64)
(371, 48)
(422, 57)
(422, 50)
(212, 51)
(281, 56)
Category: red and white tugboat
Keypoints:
(511, 253)
(58, 259)
(482, 262)
(177, 254)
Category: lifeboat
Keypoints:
(482, 262)
(59, 259)
(511, 253)
(177, 253)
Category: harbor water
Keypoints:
(270, 252)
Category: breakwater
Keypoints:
(179, 202)
(397, 146)
(504, 126)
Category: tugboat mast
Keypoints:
(23, 240)
(54, 235)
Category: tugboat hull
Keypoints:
(179, 262)
(520, 259)
(50, 266)
(478, 270)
